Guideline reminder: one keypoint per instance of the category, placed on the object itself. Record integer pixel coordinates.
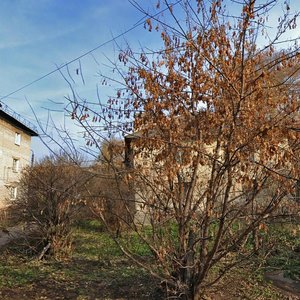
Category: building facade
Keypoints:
(153, 187)
(15, 152)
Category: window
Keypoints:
(17, 138)
(16, 165)
(13, 192)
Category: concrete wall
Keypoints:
(10, 151)
(145, 162)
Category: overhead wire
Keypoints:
(137, 24)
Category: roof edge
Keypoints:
(16, 119)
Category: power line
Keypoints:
(137, 24)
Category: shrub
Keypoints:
(50, 197)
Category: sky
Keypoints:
(37, 36)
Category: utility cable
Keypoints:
(137, 24)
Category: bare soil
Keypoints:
(285, 284)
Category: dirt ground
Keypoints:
(85, 280)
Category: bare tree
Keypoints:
(216, 144)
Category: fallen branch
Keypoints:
(46, 248)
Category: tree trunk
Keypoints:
(197, 293)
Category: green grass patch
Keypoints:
(16, 275)
(97, 269)
(95, 246)
(90, 225)
(284, 243)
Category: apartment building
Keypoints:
(15, 152)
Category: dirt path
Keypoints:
(285, 284)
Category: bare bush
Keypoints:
(49, 199)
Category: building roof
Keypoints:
(17, 120)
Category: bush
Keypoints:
(50, 197)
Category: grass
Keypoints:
(285, 252)
(105, 249)
(14, 274)
(99, 270)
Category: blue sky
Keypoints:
(36, 36)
